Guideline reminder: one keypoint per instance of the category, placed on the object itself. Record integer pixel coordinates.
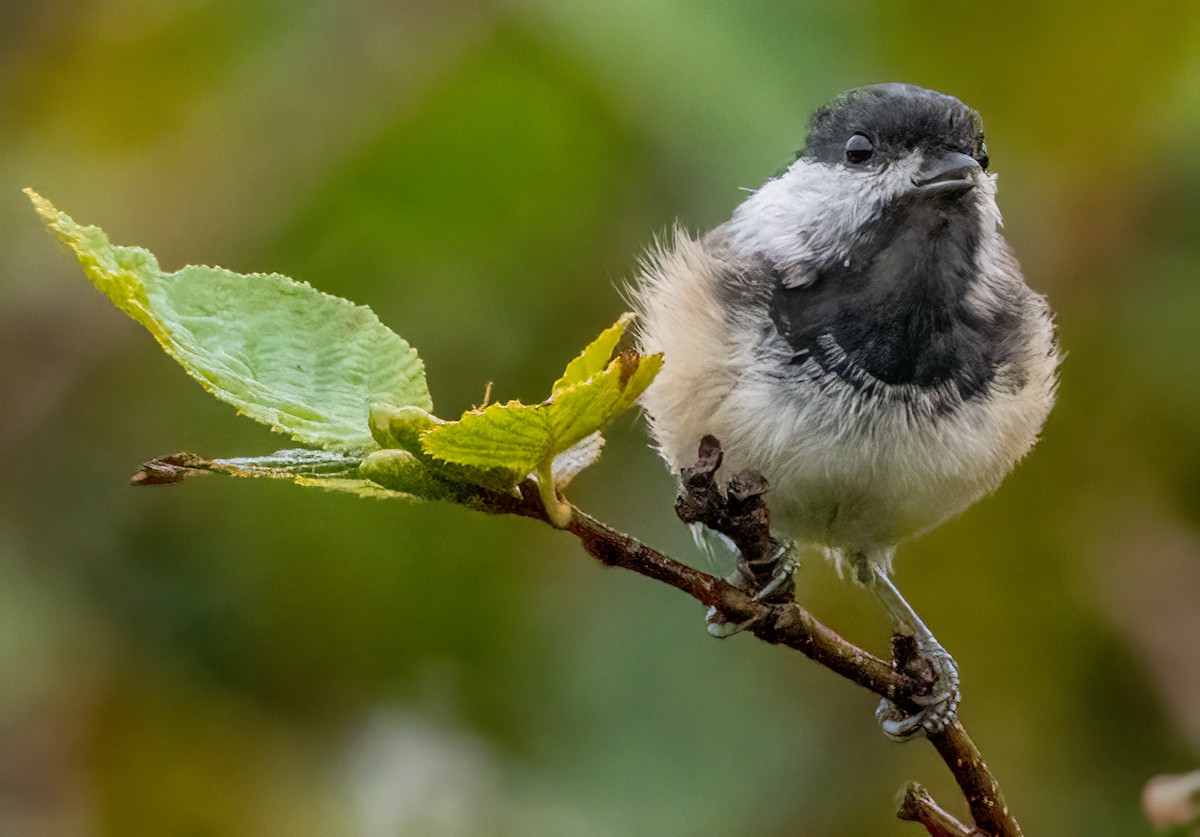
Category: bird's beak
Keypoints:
(949, 172)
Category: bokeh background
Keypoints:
(251, 658)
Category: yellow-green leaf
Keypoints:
(400, 427)
(523, 438)
(512, 436)
(592, 360)
(402, 472)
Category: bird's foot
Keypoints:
(774, 586)
(925, 659)
(773, 579)
(718, 626)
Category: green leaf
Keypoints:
(331, 470)
(400, 427)
(592, 360)
(580, 410)
(512, 436)
(305, 363)
(401, 471)
(522, 438)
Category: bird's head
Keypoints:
(885, 151)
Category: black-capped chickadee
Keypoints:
(861, 334)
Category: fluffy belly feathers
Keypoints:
(847, 472)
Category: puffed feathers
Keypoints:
(878, 357)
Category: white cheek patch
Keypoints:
(811, 213)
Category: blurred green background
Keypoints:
(251, 658)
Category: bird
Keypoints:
(861, 334)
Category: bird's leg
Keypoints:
(919, 653)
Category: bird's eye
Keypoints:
(859, 149)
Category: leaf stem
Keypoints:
(558, 511)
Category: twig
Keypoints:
(740, 513)
(979, 786)
(917, 805)
(787, 624)
(782, 624)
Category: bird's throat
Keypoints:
(894, 309)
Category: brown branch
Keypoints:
(786, 624)
(739, 512)
(918, 806)
(979, 786)
(793, 626)
(782, 624)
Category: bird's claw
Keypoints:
(939, 707)
(718, 626)
(778, 587)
